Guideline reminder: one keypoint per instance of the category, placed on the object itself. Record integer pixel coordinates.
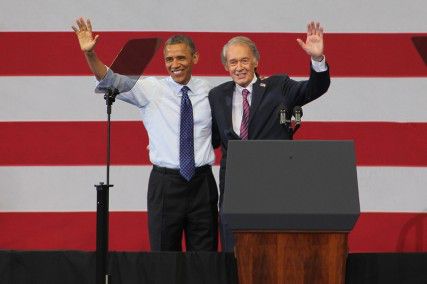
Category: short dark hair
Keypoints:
(176, 39)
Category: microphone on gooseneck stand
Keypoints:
(297, 112)
(285, 119)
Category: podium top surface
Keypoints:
(294, 185)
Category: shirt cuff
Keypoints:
(319, 66)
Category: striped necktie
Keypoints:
(245, 118)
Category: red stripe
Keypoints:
(72, 143)
(83, 143)
(389, 232)
(374, 232)
(74, 231)
(366, 55)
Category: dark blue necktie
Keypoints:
(186, 137)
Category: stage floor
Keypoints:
(63, 267)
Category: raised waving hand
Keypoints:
(313, 44)
(84, 34)
(87, 44)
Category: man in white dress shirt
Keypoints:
(182, 192)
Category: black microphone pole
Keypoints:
(131, 61)
(102, 205)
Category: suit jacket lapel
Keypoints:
(258, 91)
(228, 106)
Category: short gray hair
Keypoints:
(176, 39)
(239, 40)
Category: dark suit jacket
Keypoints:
(269, 97)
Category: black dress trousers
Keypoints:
(177, 206)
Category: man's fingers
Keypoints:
(75, 29)
(301, 43)
(79, 23)
(89, 25)
(312, 28)
(82, 24)
(319, 29)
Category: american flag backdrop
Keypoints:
(52, 125)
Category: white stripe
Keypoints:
(71, 188)
(371, 99)
(218, 15)
(381, 189)
(399, 189)
(348, 99)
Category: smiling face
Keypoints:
(179, 62)
(240, 63)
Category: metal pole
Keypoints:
(102, 207)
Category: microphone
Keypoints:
(285, 117)
(297, 114)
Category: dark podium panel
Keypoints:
(291, 205)
(292, 185)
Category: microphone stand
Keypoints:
(102, 208)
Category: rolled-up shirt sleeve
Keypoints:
(125, 87)
(115, 81)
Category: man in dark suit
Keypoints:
(249, 107)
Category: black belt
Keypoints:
(201, 169)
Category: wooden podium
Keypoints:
(291, 205)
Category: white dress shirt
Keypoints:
(237, 109)
(159, 103)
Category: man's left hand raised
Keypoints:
(313, 44)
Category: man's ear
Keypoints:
(195, 57)
(255, 63)
(226, 67)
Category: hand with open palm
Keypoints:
(84, 34)
(313, 44)
(87, 44)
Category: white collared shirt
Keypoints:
(159, 103)
(237, 109)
